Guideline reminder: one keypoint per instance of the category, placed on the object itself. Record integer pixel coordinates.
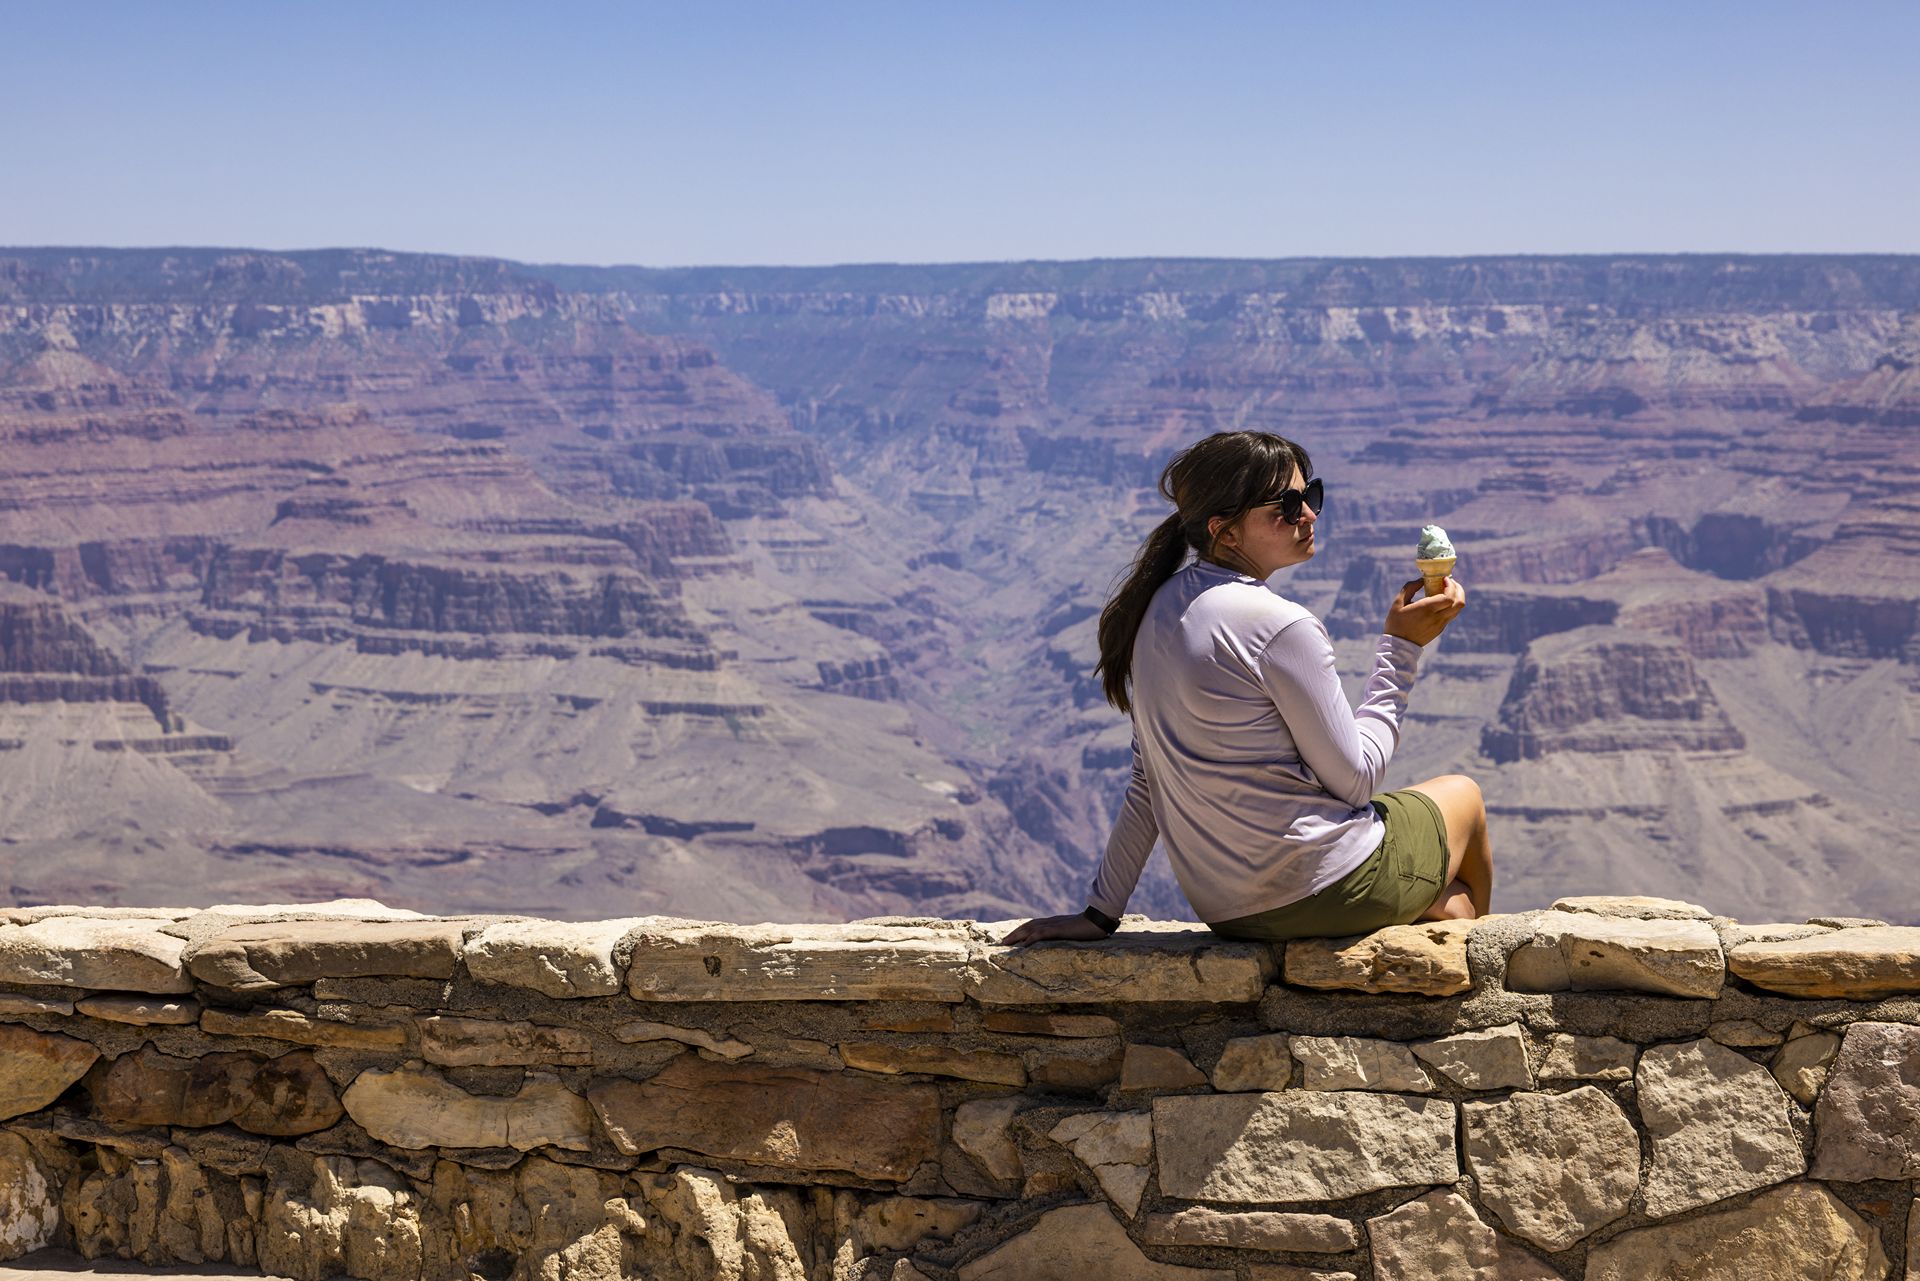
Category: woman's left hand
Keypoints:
(1075, 928)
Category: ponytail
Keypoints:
(1158, 560)
(1225, 474)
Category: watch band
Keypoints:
(1105, 922)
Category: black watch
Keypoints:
(1106, 923)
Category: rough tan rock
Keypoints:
(1117, 1147)
(1290, 1272)
(1913, 1240)
(557, 958)
(256, 957)
(787, 1117)
(1636, 906)
(1075, 1243)
(357, 1218)
(1553, 1167)
(1254, 1063)
(450, 1041)
(1718, 1123)
(1083, 1063)
(1801, 1230)
(980, 1128)
(646, 1030)
(694, 962)
(283, 1096)
(1146, 961)
(1735, 933)
(1801, 1064)
(301, 1029)
(114, 954)
(1359, 1063)
(1027, 1023)
(13, 1004)
(934, 1060)
(1588, 1058)
(1251, 1230)
(1867, 1123)
(1438, 1237)
(727, 1232)
(1857, 964)
(1157, 1067)
(29, 1201)
(1428, 958)
(139, 1010)
(416, 1107)
(1493, 1058)
(1583, 953)
(1299, 1145)
(37, 1067)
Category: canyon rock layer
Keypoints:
(770, 593)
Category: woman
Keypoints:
(1247, 759)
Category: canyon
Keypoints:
(770, 593)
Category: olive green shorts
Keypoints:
(1397, 883)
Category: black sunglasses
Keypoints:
(1292, 500)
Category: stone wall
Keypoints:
(1617, 1089)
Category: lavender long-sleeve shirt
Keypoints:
(1247, 759)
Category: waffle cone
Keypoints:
(1434, 571)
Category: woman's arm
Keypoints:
(1347, 750)
(1128, 845)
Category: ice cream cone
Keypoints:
(1434, 571)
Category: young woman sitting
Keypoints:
(1248, 761)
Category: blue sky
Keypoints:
(910, 131)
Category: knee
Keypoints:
(1469, 793)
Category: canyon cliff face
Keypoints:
(771, 592)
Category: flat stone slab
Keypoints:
(1636, 906)
(1148, 962)
(416, 1107)
(1078, 1243)
(1492, 1058)
(558, 958)
(452, 1041)
(283, 1096)
(1359, 1063)
(1588, 1058)
(1428, 958)
(142, 1011)
(290, 953)
(37, 1067)
(1718, 1122)
(1867, 1123)
(793, 1118)
(303, 1029)
(1251, 1230)
(1438, 1237)
(1801, 1230)
(1254, 1063)
(1554, 1167)
(1301, 1145)
(1116, 1146)
(116, 954)
(1861, 964)
(698, 962)
(934, 1060)
(1573, 951)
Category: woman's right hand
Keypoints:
(1421, 620)
(1075, 928)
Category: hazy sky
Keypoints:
(918, 131)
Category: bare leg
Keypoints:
(1468, 891)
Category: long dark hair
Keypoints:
(1224, 475)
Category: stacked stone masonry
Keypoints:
(1615, 1089)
